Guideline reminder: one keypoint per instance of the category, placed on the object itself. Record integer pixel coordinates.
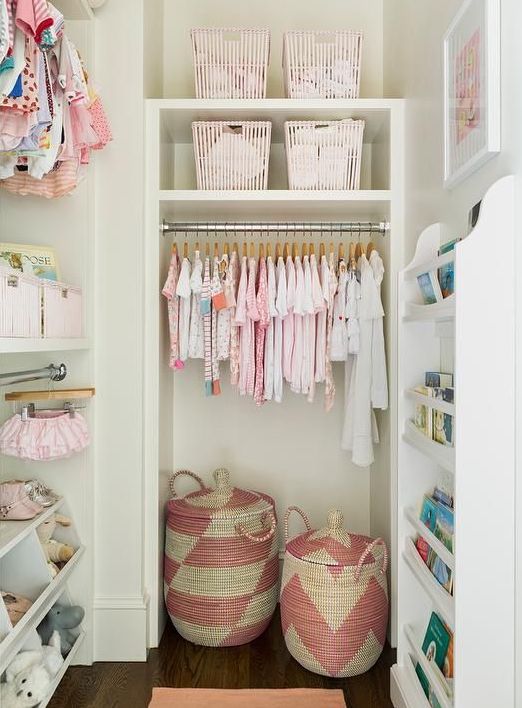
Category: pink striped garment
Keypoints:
(169, 291)
(33, 17)
(260, 330)
(206, 311)
(252, 317)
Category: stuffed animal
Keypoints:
(16, 606)
(64, 619)
(29, 675)
(55, 552)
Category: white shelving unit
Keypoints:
(171, 194)
(482, 464)
(24, 571)
(19, 345)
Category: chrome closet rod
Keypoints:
(369, 227)
(51, 372)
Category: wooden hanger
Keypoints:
(216, 250)
(252, 250)
(174, 248)
(278, 251)
(261, 250)
(226, 249)
(235, 248)
(352, 255)
(304, 250)
(332, 249)
(295, 252)
(312, 249)
(322, 250)
(341, 251)
(64, 394)
(286, 251)
(358, 251)
(185, 250)
(196, 246)
(369, 248)
(207, 249)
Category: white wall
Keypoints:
(182, 15)
(413, 70)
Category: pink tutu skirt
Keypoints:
(50, 435)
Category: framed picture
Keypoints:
(471, 89)
(39, 261)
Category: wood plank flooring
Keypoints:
(265, 663)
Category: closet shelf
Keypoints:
(439, 548)
(59, 676)
(275, 204)
(20, 345)
(443, 455)
(432, 671)
(442, 600)
(12, 532)
(435, 403)
(14, 641)
(179, 113)
(438, 312)
(405, 687)
(75, 9)
(429, 266)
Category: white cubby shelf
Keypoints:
(448, 336)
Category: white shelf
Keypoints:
(12, 643)
(443, 455)
(271, 204)
(405, 689)
(429, 266)
(433, 673)
(75, 9)
(442, 600)
(20, 345)
(59, 676)
(12, 532)
(438, 312)
(179, 113)
(435, 403)
(440, 549)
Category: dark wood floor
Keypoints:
(265, 663)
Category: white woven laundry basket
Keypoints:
(20, 304)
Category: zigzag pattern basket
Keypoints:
(334, 598)
(221, 563)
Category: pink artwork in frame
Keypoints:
(468, 88)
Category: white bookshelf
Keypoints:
(480, 466)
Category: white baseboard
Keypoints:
(120, 628)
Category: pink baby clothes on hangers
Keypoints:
(260, 331)
(329, 392)
(269, 339)
(217, 299)
(322, 317)
(299, 312)
(239, 376)
(318, 306)
(169, 291)
(32, 17)
(282, 312)
(231, 291)
(206, 311)
(252, 317)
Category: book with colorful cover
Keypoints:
(430, 288)
(440, 571)
(39, 261)
(434, 647)
(438, 379)
(443, 428)
(429, 512)
(443, 497)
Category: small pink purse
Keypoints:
(15, 503)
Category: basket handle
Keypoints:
(369, 549)
(263, 536)
(301, 514)
(186, 473)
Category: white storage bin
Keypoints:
(322, 64)
(20, 304)
(324, 155)
(232, 155)
(62, 310)
(230, 62)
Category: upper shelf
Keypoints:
(358, 204)
(12, 532)
(177, 114)
(20, 345)
(74, 9)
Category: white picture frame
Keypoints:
(472, 130)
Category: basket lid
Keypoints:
(332, 545)
(224, 501)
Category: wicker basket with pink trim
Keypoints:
(334, 598)
(221, 563)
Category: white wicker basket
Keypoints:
(230, 63)
(20, 305)
(324, 155)
(232, 155)
(322, 64)
(62, 310)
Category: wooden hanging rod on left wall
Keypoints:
(63, 394)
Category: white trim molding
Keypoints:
(120, 628)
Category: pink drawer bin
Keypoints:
(62, 310)
(20, 304)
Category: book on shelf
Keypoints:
(438, 379)
(446, 273)
(435, 648)
(439, 518)
(430, 288)
(443, 496)
(442, 428)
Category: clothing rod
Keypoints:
(51, 372)
(281, 227)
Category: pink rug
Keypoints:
(211, 698)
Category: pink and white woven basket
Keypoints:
(221, 563)
(334, 598)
